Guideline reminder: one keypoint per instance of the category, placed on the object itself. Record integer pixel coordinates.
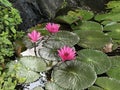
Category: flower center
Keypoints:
(66, 54)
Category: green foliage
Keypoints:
(9, 19)
(97, 59)
(74, 75)
(6, 82)
(27, 68)
(108, 83)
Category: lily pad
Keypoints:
(114, 30)
(108, 16)
(48, 54)
(108, 83)
(86, 25)
(61, 39)
(97, 59)
(53, 86)
(27, 68)
(74, 75)
(36, 64)
(92, 39)
(23, 74)
(95, 88)
(114, 71)
(68, 19)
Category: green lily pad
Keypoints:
(53, 86)
(108, 83)
(97, 59)
(27, 68)
(74, 75)
(95, 88)
(92, 39)
(108, 16)
(48, 54)
(86, 25)
(114, 30)
(26, 76)
(61, 39)
(114, 71)
(85, 14)
(68, 19)
(33, 63)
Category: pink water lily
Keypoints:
(66, 53)
(52, 27)
(34, 36)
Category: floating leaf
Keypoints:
(108, 16)
(66, 19)
(108, 83)
(114, 30)
(26, 75)
(62, 38)
(92, 39)
(74, 75)
(95, 88)
(86, 25)
(33, 63)
(52, 86)
(27, 68)
(84, 14)
(96, 59)
(114, 71)
(48, 54)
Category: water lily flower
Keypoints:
(66, 53)
(52, 27)
(34, 36)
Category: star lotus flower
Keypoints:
(67, 53)
(34, 36)
(52, 27)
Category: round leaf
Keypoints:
(96, 59)
(114, 71)
(52, 86)
(92, 39)
(108, 16)
(48, 54)
(62, 38)
(108, 83)
(74, 75)
(87, 25)
(95, 88)
(27, 75)
(33, 63)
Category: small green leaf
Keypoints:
(61, 39)
(96, 59)
(36, 64)
(48, 54)
(95, 88)
(92, 39)
(108, 83)
(74, 75)
(114, 71)
(53, 86)
(87, 25)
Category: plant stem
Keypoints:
(35, 49)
